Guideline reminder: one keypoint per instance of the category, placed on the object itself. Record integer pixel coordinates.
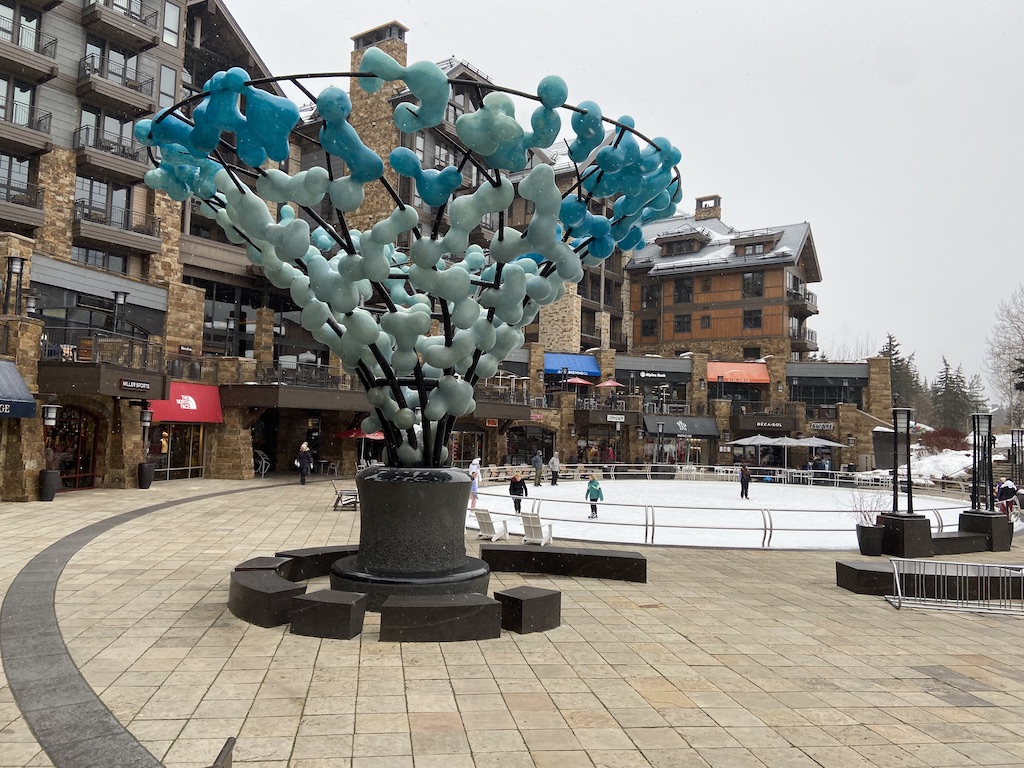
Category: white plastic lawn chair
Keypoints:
(488, 529)
(535, 532)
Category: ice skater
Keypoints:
(744, 480)
(593, 494)
(517, 489)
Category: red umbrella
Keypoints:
(610, 383)
(356, 433)
(578, 380)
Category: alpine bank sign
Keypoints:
(653, 375)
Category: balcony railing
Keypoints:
(111, 143)
(29, 195)
(24, 115)
(300, 374)
(28, 38)
(81, 344)
(119, 218)
(116, 72)
(134, 10)
(803, 334)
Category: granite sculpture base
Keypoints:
(412, 536)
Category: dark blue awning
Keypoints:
(16, 402)
(575, 365)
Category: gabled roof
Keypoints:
(793, 244)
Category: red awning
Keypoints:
(740, 373)
(195, 403)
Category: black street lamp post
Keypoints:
(901, 447)
(981, 477)
(1016, 457)
(661, 438)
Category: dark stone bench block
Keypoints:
(997, 529)
(262, 597)
(864, 577)
(958, 543)
(529, 609)
(263, 563)
(566, 561)
(439, 618)
(328, 613)
(313, 562)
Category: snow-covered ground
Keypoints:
(710, 513)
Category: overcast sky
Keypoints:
(894, 127)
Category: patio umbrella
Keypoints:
(610, 383)
(753, 440)
(819, 442)
(578, 380)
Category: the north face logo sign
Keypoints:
(186, 403)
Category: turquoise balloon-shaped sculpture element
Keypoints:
(452, 305)
(426, 81)
(434, 186)
(339, 138)
(260, 133)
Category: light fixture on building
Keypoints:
(726, 435)
(850, 439)
(901, 438)
(703, 383)
(981, 477)
(779, 386)
(146, 416)
(120, 297)
(572, 430)
(15, 266)
(50, 411)
(31, 302)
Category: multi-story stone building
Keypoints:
(121, 306)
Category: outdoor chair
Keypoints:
(345, 497)
(535, 532)
(488, 528)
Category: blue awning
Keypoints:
(16, 402)
(575, 365)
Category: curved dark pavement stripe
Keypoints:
(71, 723)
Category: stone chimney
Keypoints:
(708, 207)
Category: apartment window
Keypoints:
(705, 285)
(705, 321)
(13, 176)
(105, 131)
(93, 257)
(17, 101)
(682, 291)
(751, 353)
(172, 23)
(753, 250)
(751, 319)
(682, 324)
(103, 198)
(19, 25)
(649, 295)
(649, 327)
(121, 65)
(168, 87)
(679, 246)
(753, 284)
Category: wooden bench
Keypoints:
(439, 618)
(566, 561)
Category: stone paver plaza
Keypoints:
(726, 658)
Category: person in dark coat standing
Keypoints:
(538, 468)
(304, 461)
(744, 480)
(517, 489)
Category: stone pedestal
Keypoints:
(906, 535)
(412, 536)
(995, 525)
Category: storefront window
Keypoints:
(177, 450)
(72, 445)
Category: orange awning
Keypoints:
(740, 373)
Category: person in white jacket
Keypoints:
(554, 465)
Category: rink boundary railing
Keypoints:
(710, 472)
(651, 517)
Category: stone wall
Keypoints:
(559, 323)
(57, 170)
(183, 325)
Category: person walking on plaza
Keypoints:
(538, 468)
(744, 480)
(593, 494)
(304, 461)
(517, 489)
(1006, 496)
(554, 465)
(474, 485)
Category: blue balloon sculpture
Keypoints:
(417, 383)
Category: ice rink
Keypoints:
(710, 513)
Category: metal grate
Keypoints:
(956, 586)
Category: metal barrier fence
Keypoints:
(954, 586)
